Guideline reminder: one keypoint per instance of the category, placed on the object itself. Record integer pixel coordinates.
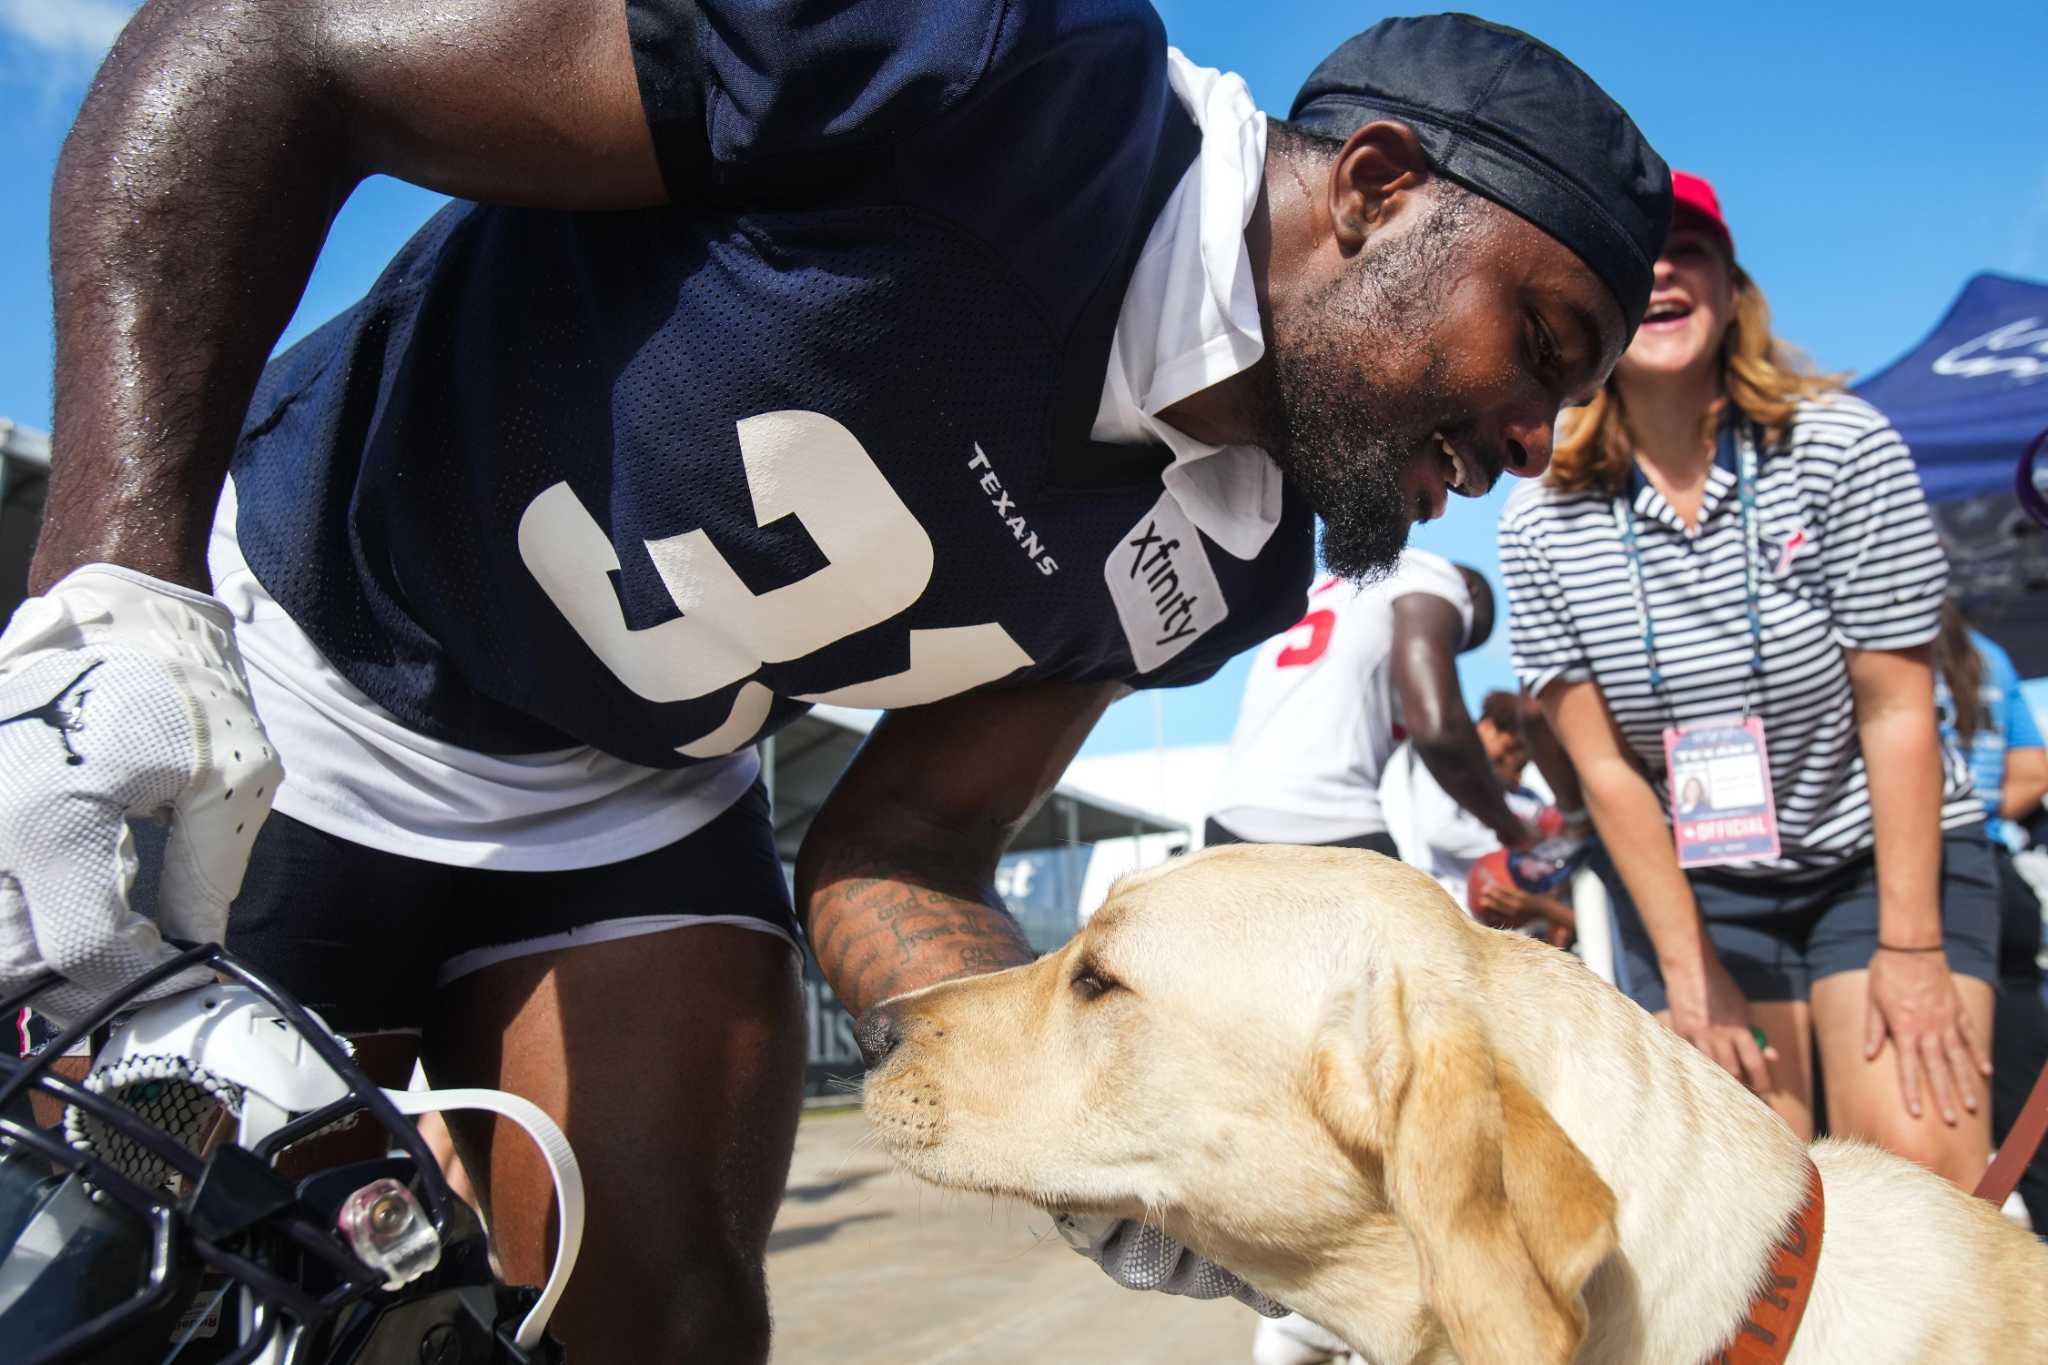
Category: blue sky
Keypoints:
(1870, 158)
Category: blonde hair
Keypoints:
(1763, 375)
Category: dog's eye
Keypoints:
(1090, 983)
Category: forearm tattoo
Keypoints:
(878, 934)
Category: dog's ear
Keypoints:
(1507, 1215)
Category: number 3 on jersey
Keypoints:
(878, 563)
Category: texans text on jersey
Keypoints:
(1007, 510)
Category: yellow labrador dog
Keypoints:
(1444, 1142)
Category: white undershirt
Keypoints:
(353, 770)
(1189, 319)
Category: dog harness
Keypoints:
(1765, 1336)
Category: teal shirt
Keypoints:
(2008, 723)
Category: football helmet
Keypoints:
(149, 1222)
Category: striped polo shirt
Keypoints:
(1848, 560)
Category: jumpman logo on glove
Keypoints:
(173, 737)
(66, 720)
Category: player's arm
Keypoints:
(194, 192)
(896, 886)
(1427, 630)
(895, 880)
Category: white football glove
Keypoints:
(121, 695)
(1139, 1256)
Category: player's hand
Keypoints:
(120, 695)
(1710, 1011)
(1139, 1256)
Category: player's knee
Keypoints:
(709, 1307)
(722, 1317)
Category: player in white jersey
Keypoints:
(1329, 701)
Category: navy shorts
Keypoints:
(1777, 935)
(366, 937)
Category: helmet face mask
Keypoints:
(126, 1236)
(80, 1259)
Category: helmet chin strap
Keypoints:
(554, 1150)
(561, 1163)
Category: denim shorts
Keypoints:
(1779, 935)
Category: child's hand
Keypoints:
(1506, 906)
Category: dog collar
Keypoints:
(1765, 1336)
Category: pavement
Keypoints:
(867, 1266)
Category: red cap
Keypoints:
(1693, 198)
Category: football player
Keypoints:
(973, 359)
(1330, 699)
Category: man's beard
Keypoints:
(1342, 437)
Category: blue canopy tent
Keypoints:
(1969, 399)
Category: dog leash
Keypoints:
(1765, 1336)
(2019, 1146)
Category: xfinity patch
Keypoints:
(1165, 592)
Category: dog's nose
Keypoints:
(877, 1036)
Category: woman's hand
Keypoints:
(1913, 1001)
(1912, 994)
(1710, 1011)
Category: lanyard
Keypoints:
(1745, 491)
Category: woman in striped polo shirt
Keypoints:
(1726, 587)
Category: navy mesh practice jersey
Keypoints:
(655, 481)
